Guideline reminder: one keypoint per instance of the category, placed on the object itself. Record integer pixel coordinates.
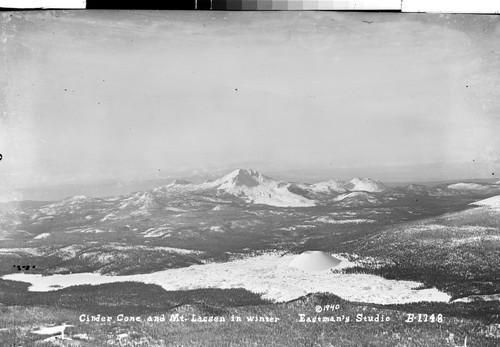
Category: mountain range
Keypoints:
(236, 195)
(252, 187)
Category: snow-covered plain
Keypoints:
(269, 275)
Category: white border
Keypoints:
(451, 6)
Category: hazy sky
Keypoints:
(92, 95)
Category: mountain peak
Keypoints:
(244, 177)
(356, 180)
(366, 184)
(254, 187)
(247, 172)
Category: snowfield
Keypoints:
(329, 220)
(269, 275)
(356, 195)
(30, 251)
(493, 203)
(155, 248)
(327, 187)
(87, 231)
(42, 236)
(467, 186)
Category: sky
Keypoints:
(93, 95)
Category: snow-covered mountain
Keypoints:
(242, 178)
(365, 185)
(254, 187)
